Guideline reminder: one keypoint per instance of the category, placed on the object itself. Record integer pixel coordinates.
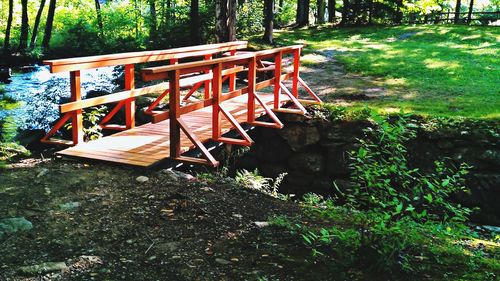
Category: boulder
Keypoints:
(42, 268)
(308, 162)
(337, 163)
(300, 136)
(12, 225)
(5, 74)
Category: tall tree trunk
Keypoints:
(23, 40)
(49, 24)
(99, 17)
(6, 42)
(331, 10)
(37, 25)
(231, 21)
(469, 15)
(152, 17)
(320, 10)
(221, 32)
(268, 21)
(302, 13)
(345, 12)
(136, 13)
(195, 26)
(457, 12)
(399, 13)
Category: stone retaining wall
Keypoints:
(314, 154)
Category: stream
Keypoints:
(38, 94)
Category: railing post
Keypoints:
(216, 95)
(208, 84)
(296, 66)
(277, 79)
(130, 103)
(174, 113)
(232, 77)
(77, 118)
(252, 68)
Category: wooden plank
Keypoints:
(83, 63)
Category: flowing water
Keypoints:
(39, 93)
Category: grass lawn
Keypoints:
(429, 70)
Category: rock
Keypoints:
(222, 261)
(177, 176)
(28, 68)
(491, 156)
(299, 136)
(13, 225)
(30, 138)
(492, 228)
(238, 216)
(261, 224)
(69, 206)
(42, 268)
(337, 162)
(141, 179)
(307, 162)
(167, 247)
(42, 172)
(5, 74)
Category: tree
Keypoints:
(302, 18)
(469, 15)
(399, 13)
(320, 10)
(225, 20)
(34, 35)
(221, 32)
(23, 40)
(195, 25)
(345, 12)
(331, 10)
(99, 17)
(268, 21)
(231, 21)
(6, 42)
(152, 22)
(49, 24)
(457, 12)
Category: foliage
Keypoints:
(254, 181)
(91, 119)
(428, 70)
(383, 181)
(9, 150)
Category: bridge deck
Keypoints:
(148, 144)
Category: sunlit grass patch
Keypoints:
(449, 70)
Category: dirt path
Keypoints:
(105, 224)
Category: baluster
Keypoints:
(296, 66)
(252, 68)
(216, 95)
(77, 118)
(130, 103)
(277, 79)
(174, 113)
(208, 84)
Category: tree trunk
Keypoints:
(49, 24)
(399, 13)
(152, 23)
(37, 25)
(457, 12)
(231, 22)
(168, 13)
(331, 10)
(302, 13)
(469, 15)
(268, 21)
(195, 26)
(221, 33)
(23, 40)
(345, 12)
(99, 17)
(6, 42)
(320, 10)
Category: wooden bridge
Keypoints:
(230, 98)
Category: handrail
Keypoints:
(82, 63)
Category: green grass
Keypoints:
(435, 70)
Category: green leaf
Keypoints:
(399, 207)
(429, 197)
